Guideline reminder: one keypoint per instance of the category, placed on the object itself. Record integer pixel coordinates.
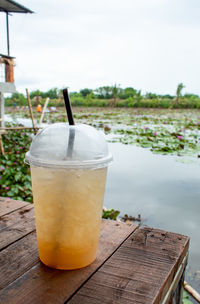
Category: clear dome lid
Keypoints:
(71, 146)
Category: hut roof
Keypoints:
(13, 7)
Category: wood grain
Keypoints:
(8, 205)
(13, 217)
(17, 259)
(21, 223)
(139, 272)
(132, 266)
(41, 284)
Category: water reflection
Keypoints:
(164, 191)
(18, 120)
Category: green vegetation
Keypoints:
(162, 131)
(110, 96)
(185, 299)
(110, 214)
(177, 140)
(15, 180)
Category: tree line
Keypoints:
(110, 96)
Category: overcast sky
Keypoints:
(150, 45)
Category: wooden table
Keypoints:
(140, 266)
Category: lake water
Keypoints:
(165, 190)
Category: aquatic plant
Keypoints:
(15, 180)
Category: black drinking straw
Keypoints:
(68, 107)
(71, 122)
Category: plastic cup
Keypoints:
(68, 192)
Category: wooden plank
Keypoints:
(17, 259)
(8, 205)
(18, 226)
(12, 218)
(45, 285)
(138, 272)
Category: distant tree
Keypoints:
(127, 92)
(85, 92)
(138, 94)
(179, 91)
(115, 92)
(166, 96)
(19, 98)
(74, 94)
(35, 93)
(52, 93)
(176, 100)
(90, 96)
(104, 92)
(151, 95)
(190, 95)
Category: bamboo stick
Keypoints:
(21, 128)
(191, 291)
(1, 145)
(30, 110)
(43, 111)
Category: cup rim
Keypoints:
(73, 164)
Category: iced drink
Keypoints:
(68, 207)
(68, 180)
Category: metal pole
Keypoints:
(8, 42)
(2, 123)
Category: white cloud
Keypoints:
(149, 44)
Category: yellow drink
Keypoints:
(68, 208)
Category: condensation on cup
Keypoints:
(68, 173)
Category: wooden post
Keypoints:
(43, 111)
(9, 71)
(1, 145)
(2, 124)
(30, 110)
